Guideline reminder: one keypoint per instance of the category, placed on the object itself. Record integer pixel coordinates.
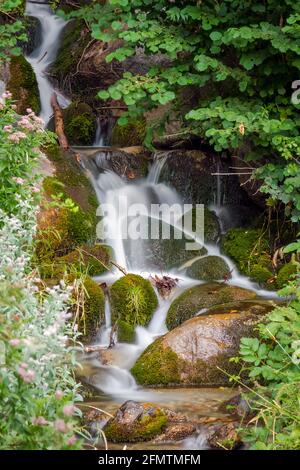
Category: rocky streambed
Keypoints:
(157, 366)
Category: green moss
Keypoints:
(92, 260)
(285, 274)
(250, 251)
(133, 300)
(145, 428)
(70, 227)
(126, 332)
(129, 135)
(192, 300)
(260, 274)
(80, 124)
(91, 316)
(157, 366)
(23, 85)
(209, 268)
(74, 40)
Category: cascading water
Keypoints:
(114, 378)
(40, 59)
(130, 254)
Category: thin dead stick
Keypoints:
(44, 55)
(98, 409)
(229, 174)
(242, 168)
(120, 268)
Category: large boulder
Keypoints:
(198, 352)
(196, 298)
(133, 300)
(209, 268)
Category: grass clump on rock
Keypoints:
(133, 300)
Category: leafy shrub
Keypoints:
(223, 55)
(21, 137)
(272, 361)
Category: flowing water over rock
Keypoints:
(115, 379)
(108, 369)
(40, 59)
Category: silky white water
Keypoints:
(40, 59)
(116, 379)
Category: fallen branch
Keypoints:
(59, 123)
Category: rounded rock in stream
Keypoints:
(194, 299)
(133, 300)
(209, 268)
(136, 422)
(198, 352)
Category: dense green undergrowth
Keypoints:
(272, 361)
(37, 339)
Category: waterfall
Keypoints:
(40, 59)
(100, 137)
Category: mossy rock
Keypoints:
(23, 85)
(62, 229)
(261, 274)
(93, 314)
(91, 260)
(196, 298)
(157, 365)
(75, 183)
(80, 124)
(133, 300)
(136, 422)
(126, 332)
(250, 251)
(209, 268)
(130, 134)
(285, 274)
(198, 352)
(75, 37)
